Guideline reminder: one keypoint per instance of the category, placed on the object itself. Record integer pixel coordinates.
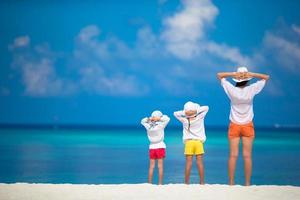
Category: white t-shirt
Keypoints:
(193, 129)
(241, 111)
(155, 131)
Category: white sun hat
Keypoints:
(156, 113)
(189, 106)
(241, 69)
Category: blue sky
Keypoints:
(111, 62)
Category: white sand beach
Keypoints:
(26, 191)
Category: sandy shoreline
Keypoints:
(26, 191)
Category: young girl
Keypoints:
(241, 115)
(192, 118)
(155, 126)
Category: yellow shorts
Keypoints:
(193, 147)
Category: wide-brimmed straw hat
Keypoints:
(241, 69)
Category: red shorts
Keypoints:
(157, 153)
(244, 130)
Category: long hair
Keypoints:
(241, 84)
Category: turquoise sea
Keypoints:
(120, 155)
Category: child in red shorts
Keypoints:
(155, 126)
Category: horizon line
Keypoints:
(123, 126)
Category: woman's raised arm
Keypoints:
(258, 75)
(227, 74)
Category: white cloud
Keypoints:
(88, 33)
(185, 35)
(38, 72)
(88, 42)
(285, 51)
(39, 69)
(183, 31)
(22, 41)
(96, 59)
(106, 65)
(296, 29)
(40, 78)
(226, 52)
(279, 56)
(94, 80)
(147, 44)
(96, 62)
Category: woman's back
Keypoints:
(241, 99)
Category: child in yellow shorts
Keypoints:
(192, 119)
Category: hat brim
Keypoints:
(241, 80)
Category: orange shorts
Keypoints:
(244, 130)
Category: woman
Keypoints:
(241, 115)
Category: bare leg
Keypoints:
(234, 152)
(200, 168)
(151, 168)
(160, 164)
(188, 167)
(247, 155)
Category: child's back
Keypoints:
(155, 131)
(192, 118)
(193, 128)
(155, 126)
